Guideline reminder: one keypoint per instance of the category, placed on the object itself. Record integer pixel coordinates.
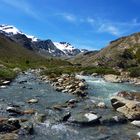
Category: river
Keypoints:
(99, 90)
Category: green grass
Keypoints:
(13, 55)
(7, 74)
(77, 69)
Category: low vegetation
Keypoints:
(56, 71)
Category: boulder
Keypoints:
(112, 78)
(9, 125)
(86, 119)
(114, 120)
(129, 95)
(130, 108)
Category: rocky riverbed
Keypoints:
(33, 109)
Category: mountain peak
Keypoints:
(11, 30)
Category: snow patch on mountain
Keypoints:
(65, 47)
(34, 39)
(11, 30)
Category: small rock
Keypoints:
(31, 101)
(2, 86)
(91, 116)
(138, 134)
(59, 89)
(29, 111)
(57, 107)
(6, 82)
(136, 123)
(101, 105)
(72, 101)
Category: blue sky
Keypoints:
(87, 24)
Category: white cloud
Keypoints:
(68, 17)
(23, 6)
(90, 20)
(109, 29)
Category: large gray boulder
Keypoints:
(130, 108)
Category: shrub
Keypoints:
(134, 72)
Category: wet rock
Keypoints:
(31, 101)
(130, 108)
(82, 85)
(136, 123)
(58, 107)
(66, 117)
(101, 105)
(86, 119)
(112, 78)
(9, 125)
(65, 90)
(115, 120)
(129, 95)
(14, 110)
(6, 82)
(2, 86)
(59, 89)
(80, 93)
(138, 134)
(60, 80)
(29, 111)
(116, 103)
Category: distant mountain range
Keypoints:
(44, 47)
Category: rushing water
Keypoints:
(99, 90)
(104, 90)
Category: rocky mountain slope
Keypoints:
(45, 47)
(122, 53)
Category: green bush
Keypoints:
(134, 72)
(7, 74)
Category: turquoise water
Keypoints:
(51, 129)
(104, 90)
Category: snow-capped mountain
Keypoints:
(11, 30)
(42, 46)
(67, 48)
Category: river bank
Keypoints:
(56, 115)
